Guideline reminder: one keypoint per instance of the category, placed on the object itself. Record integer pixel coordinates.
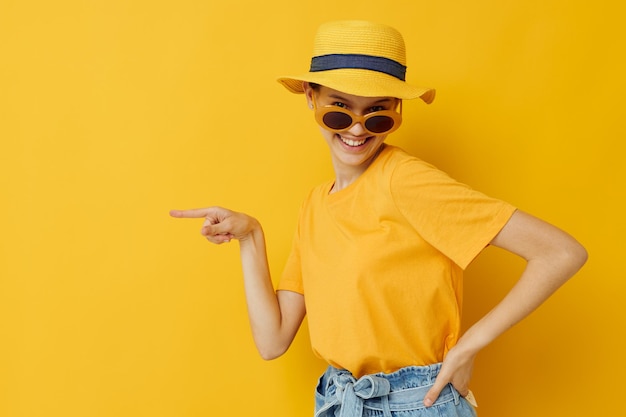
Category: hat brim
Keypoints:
(359, 82)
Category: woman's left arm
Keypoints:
(552, 256)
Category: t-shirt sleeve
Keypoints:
(291, 278)
(454, 218)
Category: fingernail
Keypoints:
(428, 402)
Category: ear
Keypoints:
(308, 93)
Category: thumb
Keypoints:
(223, 227)
(214, 229)
(432, 394)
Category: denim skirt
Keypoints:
(398, 394)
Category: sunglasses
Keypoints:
(338, 119)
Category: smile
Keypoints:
(353, 143)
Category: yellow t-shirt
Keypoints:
(380, 263)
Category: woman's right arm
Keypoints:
(274, 316)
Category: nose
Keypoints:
(358, 130)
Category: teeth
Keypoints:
(350, 142)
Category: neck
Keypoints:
(346, 174)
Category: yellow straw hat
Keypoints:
(360, 58)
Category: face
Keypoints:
(354, 147)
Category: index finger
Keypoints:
(190, 214)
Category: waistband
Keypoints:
(381, 392)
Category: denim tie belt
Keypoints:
(374, 392)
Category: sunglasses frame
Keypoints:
(320, 112)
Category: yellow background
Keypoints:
(113, 112)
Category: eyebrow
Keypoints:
(342, 98)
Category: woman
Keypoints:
(379, 251)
